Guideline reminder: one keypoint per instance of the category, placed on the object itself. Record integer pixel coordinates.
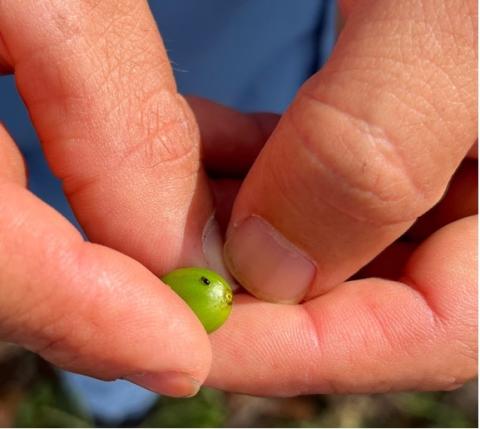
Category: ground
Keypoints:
(31, 396)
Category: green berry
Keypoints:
(206, 293)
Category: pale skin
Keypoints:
(368, 146)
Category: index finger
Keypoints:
(98, 85)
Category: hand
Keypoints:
(367, 147)
(98, 85)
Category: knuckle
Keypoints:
(170, 131)
(163, 133)
(162, 139)
(374, 180)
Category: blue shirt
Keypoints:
(251, 55)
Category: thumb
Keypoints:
(368, 145)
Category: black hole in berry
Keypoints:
(205, 281)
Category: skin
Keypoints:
(136, 183)
(206, 293)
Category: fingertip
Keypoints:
(174, 384)
(266, 263)
(149, 329)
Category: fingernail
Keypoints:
(266, 263)
(175, 384)
(213, 250)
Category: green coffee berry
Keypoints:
(206, 293)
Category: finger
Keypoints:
(460, 200)
(365, 336)
(99, 88)
(231, 140)
(87, 308)
(368, 145)
(345, 7)
(12, 166)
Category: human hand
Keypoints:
(98, 85)
(367, 147)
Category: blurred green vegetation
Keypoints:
(46, 404)
(32, 396)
